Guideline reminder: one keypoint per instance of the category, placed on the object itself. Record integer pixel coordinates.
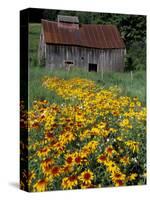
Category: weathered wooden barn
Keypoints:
(66, 43)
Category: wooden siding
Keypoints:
(106, 59)
(42, 48)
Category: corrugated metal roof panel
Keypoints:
(88, 35)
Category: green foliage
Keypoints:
(136, 57)
(34, 36)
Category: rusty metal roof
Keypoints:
(88, 35)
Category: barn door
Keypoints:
(92, 67)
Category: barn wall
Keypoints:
(106, 59)
(42, 49)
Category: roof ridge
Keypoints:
(87, 35)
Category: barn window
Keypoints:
(69, 62)
(92, 67)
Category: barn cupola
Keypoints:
(68, 22)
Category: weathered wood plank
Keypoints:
(106, 59)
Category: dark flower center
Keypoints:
(87, 176)
(69, 160)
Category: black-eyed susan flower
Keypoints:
(125, 160)
(58, 146)
(78, 158)
(43, 152)
(125, 123)
(40, 186)
(31, 176)
(117, 176)
(111, 166)
(52, 171)
(67, 137)
(55, 171)
(102, 159)
(133, 145)
(69, 182)
(47, 163)
(49, 136)
(85, 186)
(69, 158)
(119, 182)
(67, 168)
(110, 151)
(132, 177)
(86, 177)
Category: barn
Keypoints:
(65, 43)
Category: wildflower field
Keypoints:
(93, 137)
(84, 130)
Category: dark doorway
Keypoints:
(92, 67)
